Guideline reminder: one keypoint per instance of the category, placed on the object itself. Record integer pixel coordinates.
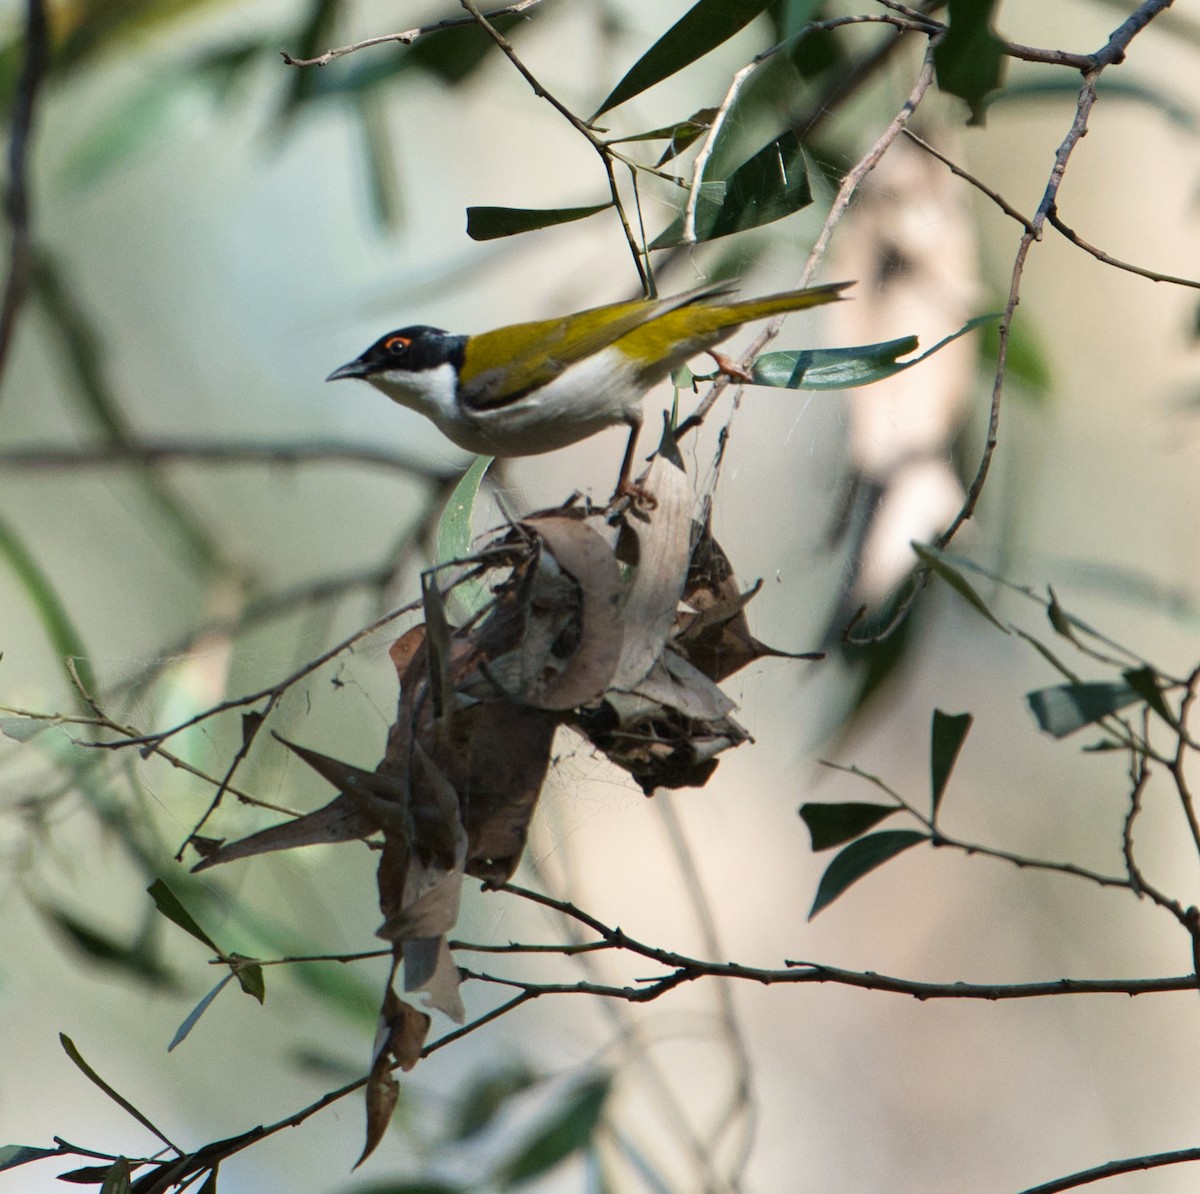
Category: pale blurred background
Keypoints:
(230, 263)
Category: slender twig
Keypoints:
(218, 453)
(850, 184)
(1078, 129)
(1085, 1177)
(17, 205)
(577, 123)
(262, 694)
(1052, 217)
(982, 187)
(408, 36)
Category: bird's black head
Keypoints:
(407, 350)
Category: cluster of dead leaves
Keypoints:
(621, 632)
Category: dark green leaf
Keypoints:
(12, 1155)
(50, 609)
(702, 28)
(73, 1053)
(832, 824)
(453, 55)
(138, 960)
(485, 1097)
(936, 562)
(949, 732)
(970, 58)
(1067, 707)
(567, 1131)
(845, 368)
(766, 187)
(490, 223)
(168, 903)
(1146, 683)
(858, 859)
(788, 17)
(86, 1175)
(251, 980)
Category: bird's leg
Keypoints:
(730, 367)
(626, 487)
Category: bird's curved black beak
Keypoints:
(355, 368)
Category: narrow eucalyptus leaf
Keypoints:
(936, 562)
(858, 859)
(948, 734)
(702, 28)
(771, 184)
(830, 825)
(1065, 708)
(491, 223)
(1146, 682)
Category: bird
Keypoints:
(535, 387)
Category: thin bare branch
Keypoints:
(1052, 217)
(1084, 1177)
(407, 37)
(982, 187)
(218, 453)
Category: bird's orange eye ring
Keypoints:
(396, 343)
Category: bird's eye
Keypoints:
(396, 344)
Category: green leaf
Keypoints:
(567, 1131)
(845, 368)
(1146, 682)
(486, 1096)
(454, 55)
(946, 739)
(138, 960)
(832, 824)
(168, 903)
(193, 1018)
(858, 859)
(57, 624)
(252, 981)
(771, 184)
(682, 135)
(936, 562)
(702, 28)
(73, 1053)
(12, 1155)
(118, 1178)
(1026, 360)
(970, 58)
(490, 223)
(455, 527)
(1065, 708)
